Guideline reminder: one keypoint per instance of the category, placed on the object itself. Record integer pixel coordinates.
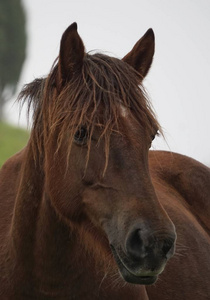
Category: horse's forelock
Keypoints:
(104, 82)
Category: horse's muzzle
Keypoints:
(144, 256)
(142, 243)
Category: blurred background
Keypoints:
(177, 84)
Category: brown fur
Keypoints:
(63, 203)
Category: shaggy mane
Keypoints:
(105, 82)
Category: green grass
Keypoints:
(12, 140)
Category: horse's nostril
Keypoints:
(168, 247)
(136, 245)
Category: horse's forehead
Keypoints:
(126, 115)
(123, 111)
(130, 124)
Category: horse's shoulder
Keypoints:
(9, 179)
(188, 177)
(13, 164)
(10, 174)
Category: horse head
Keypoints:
(97, 137)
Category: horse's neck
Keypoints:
(41, 247)
(59, 264)
(46, 254)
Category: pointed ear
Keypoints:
(140, 57)
(71, 55)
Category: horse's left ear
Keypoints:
(71, 54)
(140, 57)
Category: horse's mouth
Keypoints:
(130, 276)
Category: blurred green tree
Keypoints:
(12, 47)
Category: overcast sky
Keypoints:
(179, 80)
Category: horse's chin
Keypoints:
(132, 277)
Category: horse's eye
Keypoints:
(153, 137)
(81, 135)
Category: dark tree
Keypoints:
(12, 47)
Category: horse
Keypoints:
(87, 211)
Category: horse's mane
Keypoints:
(105, 82)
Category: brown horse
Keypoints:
(86, 208)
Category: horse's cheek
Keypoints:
(65, 192)
(96, 207)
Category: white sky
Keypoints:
(179, 80)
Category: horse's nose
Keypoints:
(142, 243)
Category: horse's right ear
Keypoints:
(71, 55)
